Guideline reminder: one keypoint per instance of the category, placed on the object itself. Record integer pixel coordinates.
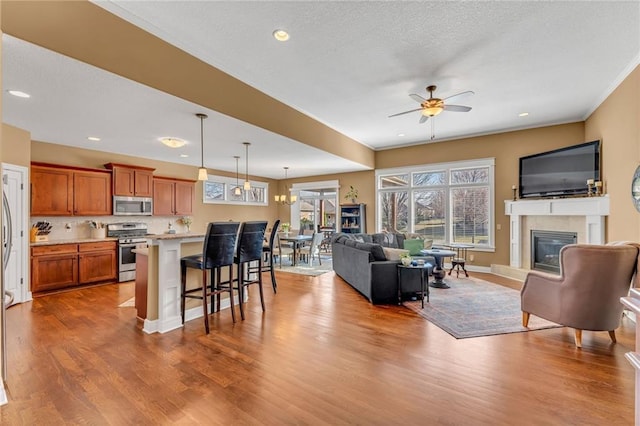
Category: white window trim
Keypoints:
(481, 162)
(306, 186)
(230, 183)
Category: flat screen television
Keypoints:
(560, 173)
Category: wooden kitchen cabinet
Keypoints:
(97, 262)
(173, 197)
(131, 181)
(54, 267)
(65, 191)
(63, 266)
(51, 191)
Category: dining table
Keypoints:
(297, 242)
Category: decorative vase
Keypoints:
(353, 201)
(188, 228)
(406, 261)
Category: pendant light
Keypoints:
(282, 199)
(237, 191)
(247, 184)
(202, 171)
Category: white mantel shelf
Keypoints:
(593, 209)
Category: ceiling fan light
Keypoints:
(432, 111)
(202, 174)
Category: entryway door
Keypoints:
(16, 281)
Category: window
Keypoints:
(221, 190)
(448, 203)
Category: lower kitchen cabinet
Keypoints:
(62, 266)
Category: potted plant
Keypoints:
(285, 227)
(351, 194)
(186, 221)
(405, 258)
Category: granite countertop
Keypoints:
(176, 236)
(71, 241)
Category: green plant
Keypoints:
(285, 226)
(352, 193)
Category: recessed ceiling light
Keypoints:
(19, 94)
(523, 114)
(93, 138)
(400, 134)
(172, 142)
(184, 155)
(281, 35)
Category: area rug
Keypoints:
(473, 307)
(305, 269)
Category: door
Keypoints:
(15, 270)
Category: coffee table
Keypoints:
(438, 272)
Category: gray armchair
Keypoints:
(586, 296)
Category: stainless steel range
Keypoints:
(130, 235)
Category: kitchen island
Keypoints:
(163, 280)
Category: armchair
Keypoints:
(586, 295)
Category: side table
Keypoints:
(424, 288)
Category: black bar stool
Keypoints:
(268, 254)
(217, 252)
(250, 241)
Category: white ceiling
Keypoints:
(349, 65)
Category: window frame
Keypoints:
(448, 186)
(229, 183)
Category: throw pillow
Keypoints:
(393, 253)
(374, 249)
(414, 246)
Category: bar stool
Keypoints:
(249, 249)
(267, 250)
(460, 258)
(217, 252)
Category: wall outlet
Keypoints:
(471, 257)
(67, 227)
(498, 227)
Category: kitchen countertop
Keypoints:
(176, 236)
(71, 241)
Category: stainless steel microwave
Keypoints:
(132, 206)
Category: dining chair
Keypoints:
(284, 249)
(308, 252)
(217, 252)
(249, 249)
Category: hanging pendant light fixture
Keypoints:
(247, 184)
(237, 191)
(202, 171)
(282, 199)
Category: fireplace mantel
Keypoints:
(593, 209)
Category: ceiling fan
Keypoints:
(434, 106)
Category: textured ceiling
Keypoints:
(352, 64)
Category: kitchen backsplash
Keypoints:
(64, 228)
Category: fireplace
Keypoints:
(545, 249)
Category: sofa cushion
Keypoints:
(394, 253)
(374, 249)
(351, 243)
(414, 246)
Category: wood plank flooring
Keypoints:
(320, 354)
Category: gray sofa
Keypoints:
(360, 260)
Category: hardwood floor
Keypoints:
(320, 354)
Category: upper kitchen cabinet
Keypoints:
(173, 197)
(131, 181)
(66, 191)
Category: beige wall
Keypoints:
(16, 146)
(616, 123)
(202, 213)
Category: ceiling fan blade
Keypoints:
(468, 92)
(406, 112)
(457, 108)
(419, 99)
(423, 119)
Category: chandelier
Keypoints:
(282, 199)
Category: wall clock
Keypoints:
(635, 189)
